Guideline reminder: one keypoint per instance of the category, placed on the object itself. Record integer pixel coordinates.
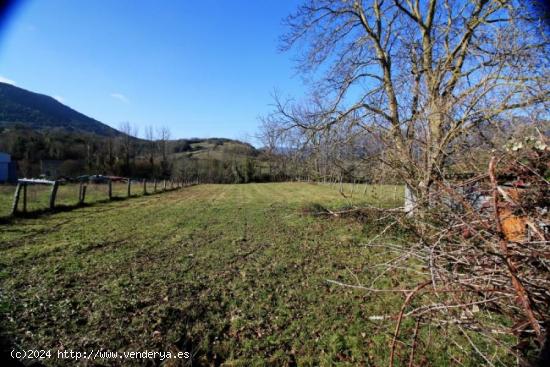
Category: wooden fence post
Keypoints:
(53, 194)
(164, 185)
(110, 189)
(24, 198)
(16, 199)
(82, 194)
(79, 193)
(155, 185)
(144, 186)
(84, 188)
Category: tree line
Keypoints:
(60, 153)
(71, 153)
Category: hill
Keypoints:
(38, 111)
(47, 137)
(211, 148)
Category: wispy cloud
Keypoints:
(3, 79)
(59, 99)
(121, 97)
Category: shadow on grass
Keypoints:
(67, 208)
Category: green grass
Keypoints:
(6, 196)
(233, 273)
(380, 195)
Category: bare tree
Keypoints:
(163, 136)
(151, 146)
(420, 74)
(428, 80)
(128, 145)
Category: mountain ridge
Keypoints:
(38, 111)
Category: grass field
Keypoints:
(235, 274)
(38, 195)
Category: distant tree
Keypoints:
(163, 136)
(128, 146)
(249, 170)
(111, 157)
(151, 148)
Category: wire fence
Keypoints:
(37, 195)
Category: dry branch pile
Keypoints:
(484, 251)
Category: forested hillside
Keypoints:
(60, 153)
(38, 111)
(48, 138)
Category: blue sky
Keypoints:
(202, 68)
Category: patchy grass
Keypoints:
(235, 274)
(6, 196)
(386, 196)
